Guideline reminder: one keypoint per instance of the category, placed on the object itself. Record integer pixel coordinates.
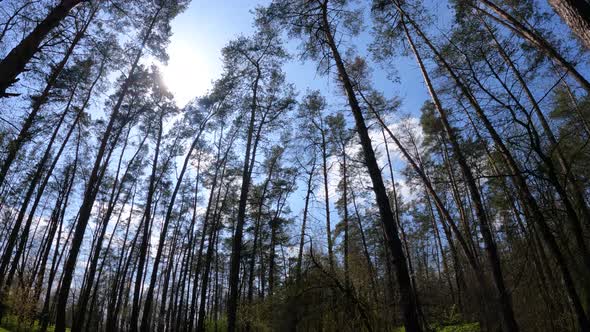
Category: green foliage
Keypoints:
(461, 327)
(465, 327)
(22, 309)
(12, 323)
(211, 324)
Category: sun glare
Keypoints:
(186, 75)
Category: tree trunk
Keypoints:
(257, 227)
(44, 315)
(304, 222)
(577, 192)
(121, 273)
(150, 292)
(115, 193)
(234, 274)
(16, 228)
(345, 219)
(398, 222)
(523, 190)
(15, 145)
(407, 300)
(327, 196)
(213, 234)
(576, 14)
(14, 63)
(92, 189)
(144, 244)
(365, 245)
(188, 319)
(534, 38)
(505, 301)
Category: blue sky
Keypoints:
(204, 29)
(199, 34)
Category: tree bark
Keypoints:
(304, 222)
(92, 188)
(150, 292)
(505, 301)
(534, 38)
(15, 145)
(327, 196)
(576, 14)
(407, 300)
(523, 191)
(143, 248)
(234, 274)
(14, 63)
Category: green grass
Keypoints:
(10, 323)
(468, 327)
(463, 327)
(210, 324)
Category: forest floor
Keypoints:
(464, 327)
(472, 327)
(469, 327)
(11, 324)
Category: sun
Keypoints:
(186, 75)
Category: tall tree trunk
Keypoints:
(239, 228)
(471, 258)
(184, 272)
(533, 37)
(576, 14)
(16, 228)
(188, 321)
(56, 159)
(92, 188)
(161, 323)
(281, 200)
(327, 195)
(398, 222)
(221, 166)
(304, 222)
(45, 248)
(523, 190)
(271, 256)
(44, 315)
(150, 292)
(118, 285)
(365, 245)
(144, 244)
(577, 192)
(257, 230)
(81, 307)
(407, 300)
(505, 301)
(345, 219)
(14, 63)
(7, 278)
(15, 145)
(213, 234)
